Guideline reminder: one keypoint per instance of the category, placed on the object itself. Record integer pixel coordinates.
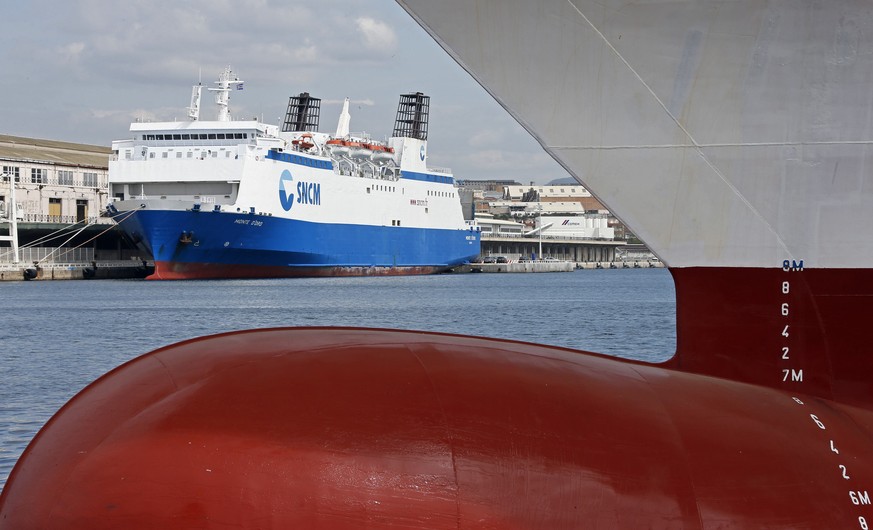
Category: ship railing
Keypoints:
(360, 136)
(60, 219)
(519, 235)
(223, 142)
(53, 255)
(76, 182)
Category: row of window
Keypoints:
(38, 175)
(541, 189)
(500, 229)
(198, 136)
(380, 187)
(431, 193)
(191, 154)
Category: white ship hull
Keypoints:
(725, 134)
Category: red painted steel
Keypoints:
(730, 323)
(351, 428)
(167, 270)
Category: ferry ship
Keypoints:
(238, 199)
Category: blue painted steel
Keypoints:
(426, 177)
(235, 238)
(299, 160)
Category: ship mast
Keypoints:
(222, 94)
(194, 109)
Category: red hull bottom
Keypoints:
(346, 428)
(167, 270)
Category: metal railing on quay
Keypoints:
(62, 219)
(47, 255)
(486, 235)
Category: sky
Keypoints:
(81, 70)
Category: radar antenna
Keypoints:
(226, 82)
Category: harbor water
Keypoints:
(56, 337)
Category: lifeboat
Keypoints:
(304, 142)
(381, 153)
(337, 147)
(358, 150)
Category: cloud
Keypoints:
(307, 53)
(146, 54)
(127, 116)
(358, 102)
(486, 138)
(378, 36)
(491, 160)
(72, 51)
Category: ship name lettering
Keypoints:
(308, 193)
(242, 221)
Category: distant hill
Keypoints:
(566, 181)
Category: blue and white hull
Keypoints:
(202, 244)
(237, 199)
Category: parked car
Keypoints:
(489, 259)
(502, 259)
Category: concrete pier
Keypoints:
(573, 250)
(100, 270)
(527, 266)
(640, 264)
(556, 266)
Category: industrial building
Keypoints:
(59, 191)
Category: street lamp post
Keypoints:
(540, 208)
(13, 218)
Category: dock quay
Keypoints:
(524, 266)
(62, 263)
(574, 250)
(628, 264)
(95, 270)
(555, 266)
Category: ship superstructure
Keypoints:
(227, 198)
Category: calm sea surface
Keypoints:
(56, 337)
